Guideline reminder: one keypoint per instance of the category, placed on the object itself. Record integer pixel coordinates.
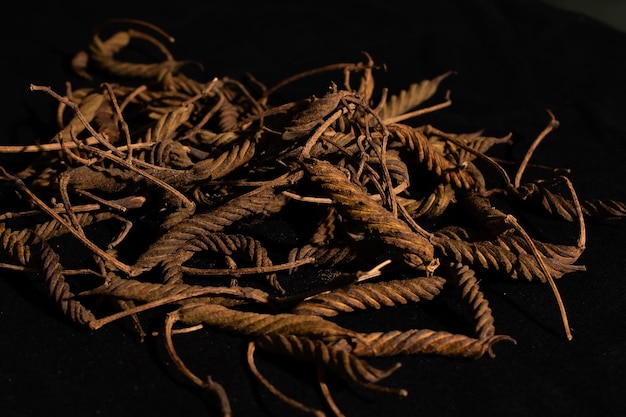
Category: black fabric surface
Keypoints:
(513, 61)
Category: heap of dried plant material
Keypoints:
(193, 163)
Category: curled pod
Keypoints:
(331, 357)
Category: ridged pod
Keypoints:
(356, 205)
(370, 295)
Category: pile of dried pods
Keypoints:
(201, 160)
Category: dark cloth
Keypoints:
(513, 61)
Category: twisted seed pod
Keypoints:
(417, 143)
(211, 139)
(528, 265)
(14, 243)
(314, 113)
(329, 255)
(259, 324)
(370, 295)
(325, 230)
(397, 168)
(408, 99)
(17, 243)
(145, 292)
(176, 217)
(480, 144)
(157, 103)
(115, 180)
(559, 254)
(59, 290)
(470, 292)
(220, 243)
(491, 219)
(564, 208)
(430, 206)
(474, 143)
(360, 209)
(229, 112)
(103, 52)
(169, 124)
(222, 165)
(497, 256)
(423, 341)
(261, 201)
(174, 81)
(169, 153)
(339, 361)
(52, 228)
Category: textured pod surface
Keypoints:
(374, 295)
(257, 324)
(418, 251)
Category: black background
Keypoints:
(514, 60)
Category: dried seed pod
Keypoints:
(478, 304)
(556, 205)
(259, 202)
(102, 53)
(259, 324)
(502, 255)
(312, 115)
(370, 295)
(374, 218)
(431, 206)
(15, 243)
(332, 357)
(416, 142)
(425, 341)
(225, 244)
(146, 292)
(410, 98)
(491, 220)
(60, 291)
(326, 256)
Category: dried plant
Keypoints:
(200, 161)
